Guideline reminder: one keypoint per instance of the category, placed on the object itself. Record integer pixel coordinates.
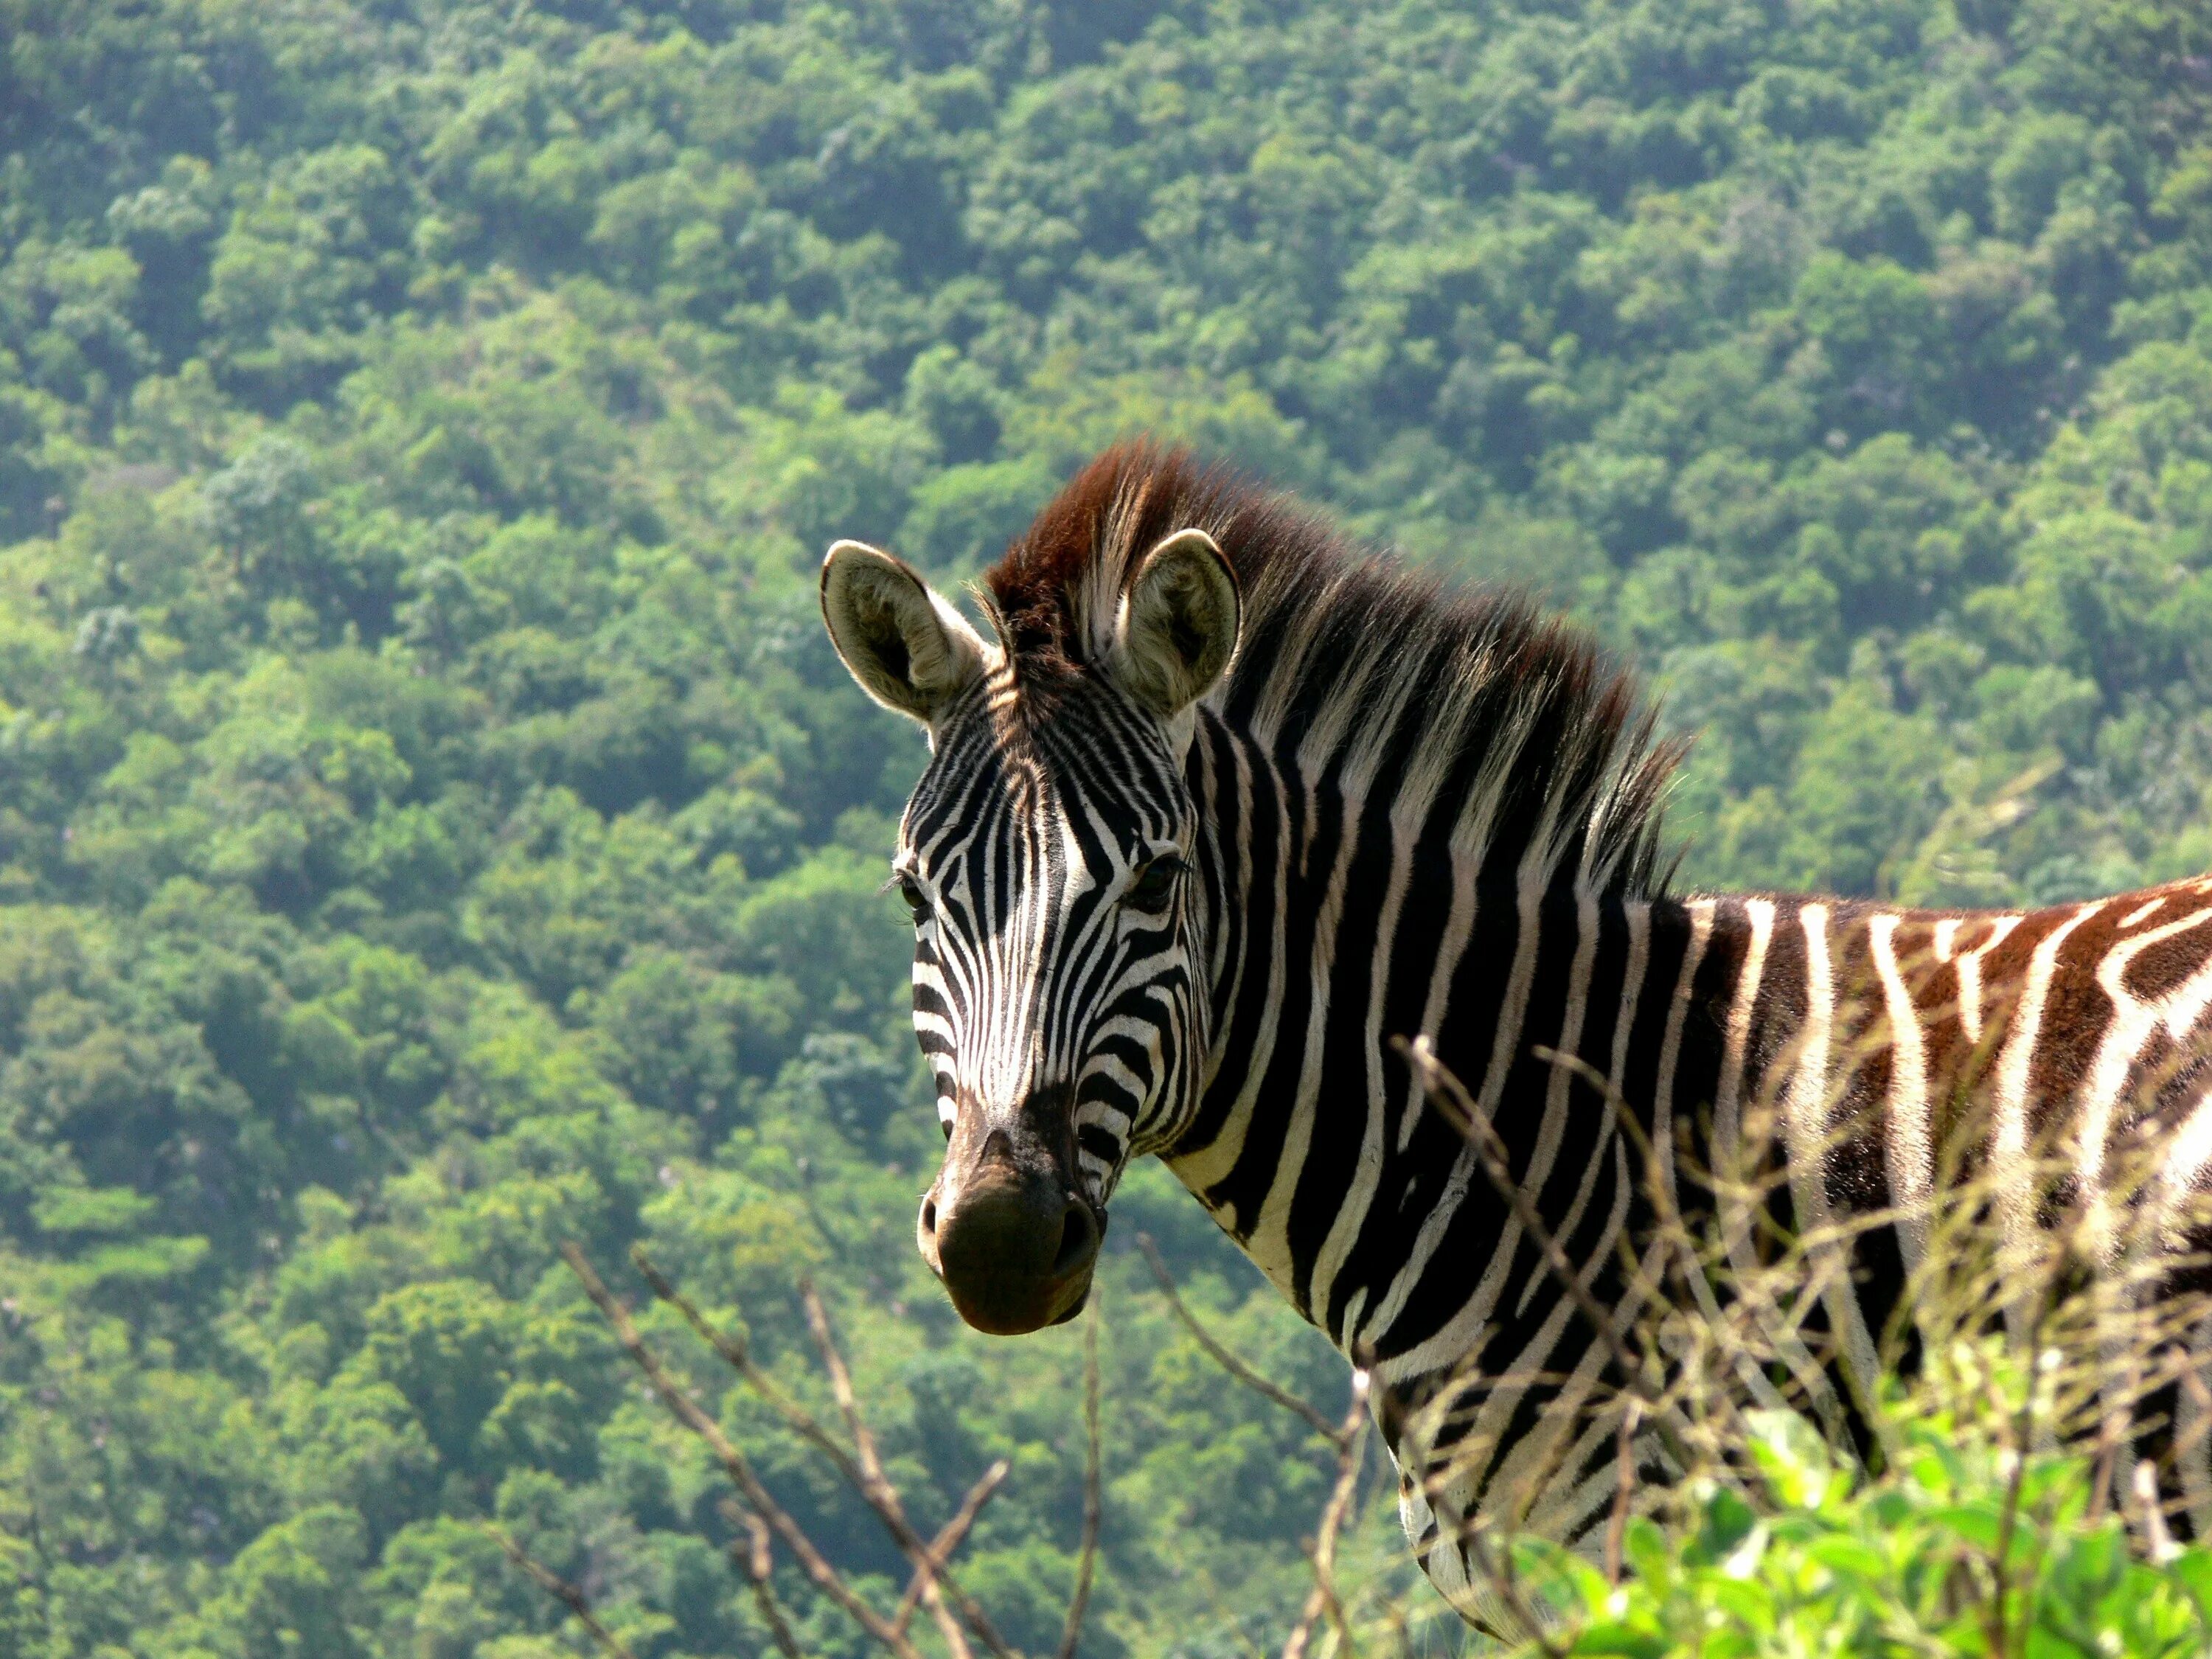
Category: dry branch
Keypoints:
(861, 1469)
(687, 1411)
(561, 1590)
(1315, 1417)
(756, 1557)
(1446, 1092)
(949, 1538)
(1624, 1491)
(1350, 1441)
(868, 1478)
(1094, 1502)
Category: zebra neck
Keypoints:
(1336, 925)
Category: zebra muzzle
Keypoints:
(1013, 1247)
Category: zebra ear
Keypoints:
(1177, 627)
(907, 648)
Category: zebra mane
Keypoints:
(1472, 707)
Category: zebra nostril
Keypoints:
(929, 1215)
(1078, 1240)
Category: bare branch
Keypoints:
(1350, 1437)
(1443, 1088)
(1507, 1584)
(1315, 1417)
(1094, 1507)
(2022, 1448)
(688, 1412)
(882, 1497)
(873, 1480)
(949, 1539)
(1624, 1488)
(738, 1358)
(863, 1472)
(563, 1591)
(2158, 1542)
(756, 1558)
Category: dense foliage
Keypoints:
(432, 827)
(1948, 1555)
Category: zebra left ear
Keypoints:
(1177, 626)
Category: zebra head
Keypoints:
(1050, 856)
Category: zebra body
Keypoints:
(1227, 809)
(1879, 1036)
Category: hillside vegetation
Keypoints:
(433, 826)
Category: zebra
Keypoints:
(1221, 805)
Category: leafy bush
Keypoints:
(1959, 1549)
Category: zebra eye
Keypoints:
(917, 900)
(1155, 885)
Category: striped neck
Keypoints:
(1337, 921)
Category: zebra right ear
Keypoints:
(909, 648)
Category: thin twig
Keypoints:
(1094, 1503)
(872, 1479)
(2104, 1470)
(1616, 1526)
(1508, 1586)
(802, 1423)
(688, 1412)
(563, 1591)
(1350, 1437)
(2158, 1542)
(756, 1556)
(2022, 1428)
(1682, 1255)
(738, 1358)
(1315, 1417)
(876, 1487)
(949, 1538)
(1347, 1438)
(1444, 1088)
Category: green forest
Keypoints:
(434, 827)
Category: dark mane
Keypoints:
(1471, 694)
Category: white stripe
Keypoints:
(1907, 1149)
(1944, 938)
(1553, 1128)
(1470, 843)
(1970, 976)
(1732, 1166)
(1700, 913)
(1523, 1461)
(1470, 847)
(1728, 1101)
(1267, 1241)
(1638, 917)
(1409, 814)
(2133, 1023)
(2140, 911)
(1806, 1123)
(2009, 1164)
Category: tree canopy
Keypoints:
(433, 826)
